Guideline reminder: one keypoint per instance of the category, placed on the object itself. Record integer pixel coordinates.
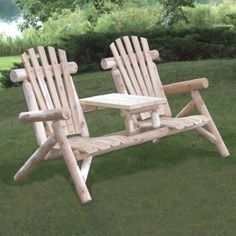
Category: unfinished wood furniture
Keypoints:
(134, 72)
(59, 123)
(129, 105)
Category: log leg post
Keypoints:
(200, 104)
(155, 119)
(85, 167)
(129, 125)
(71, 163)
(38, 156)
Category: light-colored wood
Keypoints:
(177, 123)
(32, 78)
(69, 89)
(139, 110)
(52, 114)
(186, 110)
(186, 86)
(134, 62)
(118, 81)
(33, 106)
(128, 67)
(120, 86)
(142, 66)
(122, 101)
(154, 77)
(57, 72)
(155, 119)
(110, 62)
(129, 125)
(123, 71)
(19, 75)
(141, 137)
(48, 74)
(206, 134)
(79, 146)
(71, 163)
(40, 79)
(37, 157)
(200, 104)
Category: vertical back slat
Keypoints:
(136, 81)
(135, 65)
(33, 106)
(40, 78)
(69, 89)
(127, 64)
(156, 82)
(35, 86)
(60, 85)
(122, 69)
(142, 65)
(50, 82)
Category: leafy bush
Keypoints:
(130, 19)
(5, 78)
(173, 45)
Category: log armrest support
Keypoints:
(45, 115)
(186, 86)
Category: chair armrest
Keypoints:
(186, 86)
(45, 115)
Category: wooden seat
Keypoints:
(179, 123)
(134, 72)
(60, 126)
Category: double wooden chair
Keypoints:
(57, 113)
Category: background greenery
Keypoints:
(180, 30)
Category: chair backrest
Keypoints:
(138, 72)
(49, 83)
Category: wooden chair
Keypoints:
(58, 119)
(134, 72)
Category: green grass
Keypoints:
(7, 62)
(179, 187)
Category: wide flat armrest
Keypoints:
(45, 115)
(186, 86)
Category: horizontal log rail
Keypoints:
(45, 115)
(108, 63)
(19, 75)
(186, 86)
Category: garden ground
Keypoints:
(178, 187)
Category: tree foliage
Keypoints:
(173, 11)
(35, 11)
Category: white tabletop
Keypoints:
(122, 101)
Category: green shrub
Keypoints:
(173, 44)
(5, 78)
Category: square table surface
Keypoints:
(122, 101)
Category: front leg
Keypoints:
(71, 163)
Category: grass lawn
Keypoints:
(7, 62)
(179, 187)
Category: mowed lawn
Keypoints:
(181, 186)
